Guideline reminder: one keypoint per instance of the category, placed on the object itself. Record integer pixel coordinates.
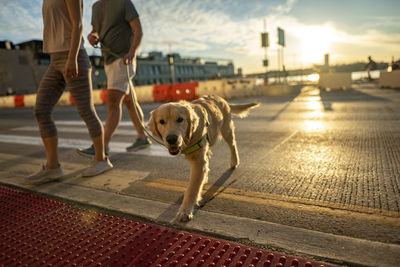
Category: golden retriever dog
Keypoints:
(191, 128)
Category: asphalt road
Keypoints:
(322, 161)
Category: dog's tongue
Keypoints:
(173, 150)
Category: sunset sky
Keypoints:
(349, 30)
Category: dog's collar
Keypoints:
(196, 146)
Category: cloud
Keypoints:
(209, 28)
(20, 20)
(375, 37)
(193, 26)
(285, 8)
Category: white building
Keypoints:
(155, 68)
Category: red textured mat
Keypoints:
(17, 208)
(37, 231)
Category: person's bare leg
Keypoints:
(98, 143)
(51, 147)
(114, 113)
(134, 117)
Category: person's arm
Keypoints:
(75, 16)
(93, 37)
(137, 38)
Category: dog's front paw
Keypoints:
(183, 216)
(234, 162)
(234, 165)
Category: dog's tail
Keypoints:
(242, 110)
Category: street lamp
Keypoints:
(171, 66)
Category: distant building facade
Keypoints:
(21, 69)
(155, 68)
(23, 65)
(35, 47)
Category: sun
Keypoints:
(315, 41)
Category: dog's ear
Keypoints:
(153, 125)
(193, 121)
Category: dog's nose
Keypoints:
(171, 139)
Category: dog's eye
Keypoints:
(162, 121)
(179, 120)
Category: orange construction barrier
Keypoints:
(161, 93)
(183, 91)
(19, 101)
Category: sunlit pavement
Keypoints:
(319, 174)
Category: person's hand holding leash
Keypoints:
(128, 58)
(93, 39)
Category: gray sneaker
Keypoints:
(45, 175)
(89, 152)
(97, 167)
(139, 144)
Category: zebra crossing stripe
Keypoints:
(115, 147)
(82, 123)
(83, 130)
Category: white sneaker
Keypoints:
(45, 175)
(97, 167)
